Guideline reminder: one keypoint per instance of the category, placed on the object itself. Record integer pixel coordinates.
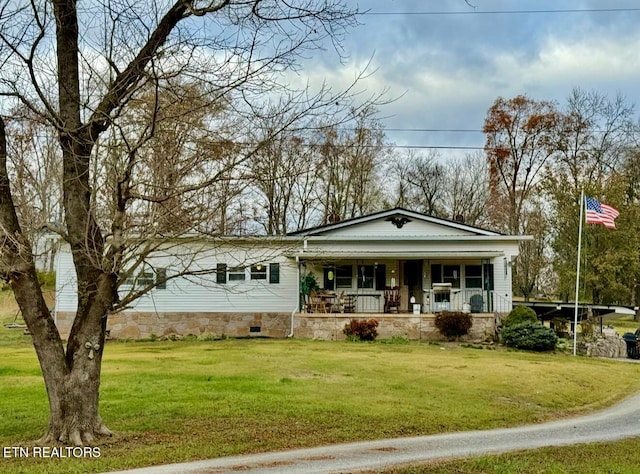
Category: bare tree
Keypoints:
(104, 61)
(348, 167)
(422, 182)
(590, 139)
(282, 172)
(592, 136)
(533, 256)
(34, 167)
(466, 189)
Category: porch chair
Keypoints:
(317, 304)
(349, 304)
(338, 305)
(476, 303)
(391, 299)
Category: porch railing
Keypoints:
(468, 300)
(369, 302)
(472, 300)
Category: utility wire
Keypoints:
(506, 12)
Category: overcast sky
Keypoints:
(450, 68)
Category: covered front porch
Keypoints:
(402, 286)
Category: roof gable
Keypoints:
(396, 222)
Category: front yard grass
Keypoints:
(620, 457)
(179, 401)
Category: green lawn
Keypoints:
(623, 324)
(177, 401)
(622, 457)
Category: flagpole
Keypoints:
(575, 315)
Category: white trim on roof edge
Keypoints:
(398, 211)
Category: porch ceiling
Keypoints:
(395, 254)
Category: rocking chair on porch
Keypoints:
(317, 304)
(391, 299)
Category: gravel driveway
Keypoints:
(617, 422)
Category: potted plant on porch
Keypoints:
(308, 283)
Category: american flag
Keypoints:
(600, 213)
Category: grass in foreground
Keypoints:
(621, 457)
(179, 401)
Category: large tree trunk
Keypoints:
(72, 377)
(72, 380)
(74, 399)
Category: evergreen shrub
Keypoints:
(530, 336)
(518, 315)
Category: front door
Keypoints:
(413, 280)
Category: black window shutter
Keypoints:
(221, 273)
(487, 268)
(381, 277)
(436, 273)
(161, 278)
(274, 273)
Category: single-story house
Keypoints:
(396, 266)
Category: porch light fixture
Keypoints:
(259, 267)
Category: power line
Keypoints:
(433, 130)
(505, 12)
(434, 147)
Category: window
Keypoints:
(365, 276)
(258, 272)
(473, 276)
(451, 274)
(144, 279)
(344, 276)
(148, 277)
(236, 274)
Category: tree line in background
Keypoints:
(296, 167)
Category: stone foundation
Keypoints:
(133, 325)
(411, 326)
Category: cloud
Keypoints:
(452, 68)
(595, 60)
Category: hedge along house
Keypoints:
(251, 286)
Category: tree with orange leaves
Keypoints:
(519, 142)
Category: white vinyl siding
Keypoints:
(200, 294)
